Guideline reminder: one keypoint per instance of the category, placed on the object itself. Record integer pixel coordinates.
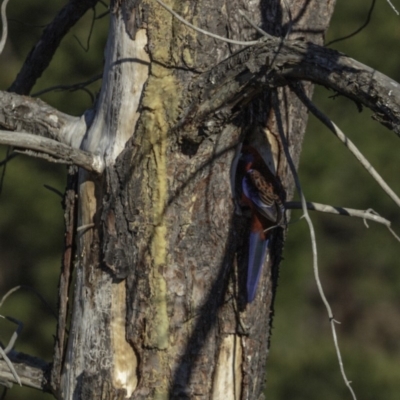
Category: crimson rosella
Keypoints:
(260, 193)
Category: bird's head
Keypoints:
(250, 157)
(247, 160)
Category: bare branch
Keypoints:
(349, 212)
(15, 335)
(394, 234)
(10, 367)
(272, 62)
(313, 241)
(34, 291)
(8, 158)
(40, 56)
(8, 348)
(257, 28)
(70, 88)
(54, 190)
(22, 113)
(393, 7)
(59, 151)
(5, 26)
(32, 372)
(347, 142)
(8, 294)
(358, 30)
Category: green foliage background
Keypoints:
(358, 266)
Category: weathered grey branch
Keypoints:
(347, 142)
(349, 212)
(235, 80)
(10, 366)
(32, 371)
(310, 224)
(22, 113)
(40, 56)
(61, 152)
(5, 26)
(273, 62)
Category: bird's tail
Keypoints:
(257, 251)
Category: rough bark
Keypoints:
(160, 255)
(159, 308)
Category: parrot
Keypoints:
(262, 193)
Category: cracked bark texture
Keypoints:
(158, 308)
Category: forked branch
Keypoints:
(272, 63)
(347, 142)
(350, 212)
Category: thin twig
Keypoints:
(393, 7)
(40, 297)
(213, 35)
(15, 335)
(102, 15)
(3, 172)
(346, 141)
(54, 190)
(71, 88)
(8, 158)
(290, 24)
(313, 242)
(3, 352)
(9, 293)
(394, 233)
(371, 9)
(84, 227)
(40, 56)
(257, 28)
(350, 212)
(5, 26)
(86, 49)
(10, 366)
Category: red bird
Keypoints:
(260, 193)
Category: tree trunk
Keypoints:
(159, 306)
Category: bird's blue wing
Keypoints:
(257, 252)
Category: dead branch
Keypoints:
(10, 367)
(32, 372)
(40, 56)
(307, 217)
(347, 142)
(22, 113)
(349, 212)
(5, 26)
(59, 151)
(69, 88)
(393, 7)
(272, 62)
